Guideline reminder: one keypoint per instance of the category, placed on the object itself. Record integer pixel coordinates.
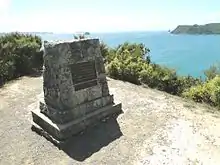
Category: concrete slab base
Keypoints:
(59, 134)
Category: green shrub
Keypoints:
(159, 77)
(213, 71)
(186, 82)
(208, 92)
(131, 62)
(125, 62)
(104, 51)
(198, 93)
(123, 68)
(19, 55)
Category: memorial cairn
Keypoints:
(75, 90)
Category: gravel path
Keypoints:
(155, 128)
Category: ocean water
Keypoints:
(188, 54)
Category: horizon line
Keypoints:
(77, 32)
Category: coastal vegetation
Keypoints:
(131, 62)
(212, 28)
(20, 55)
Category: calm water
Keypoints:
(188, 54)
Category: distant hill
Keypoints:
(212, 28)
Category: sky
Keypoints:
(67, 16)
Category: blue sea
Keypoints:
(188, 54)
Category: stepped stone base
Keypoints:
(60, 133)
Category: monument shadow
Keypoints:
(84, 145)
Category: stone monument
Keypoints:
(75, 89)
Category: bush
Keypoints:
(131, 62)
(187, 82)
(104, 51)
(126, 61)
(162, 78)
(19, 55)
(208, 92)
(213, 71)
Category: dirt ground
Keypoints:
(155, 128)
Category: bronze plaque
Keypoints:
(84, 75)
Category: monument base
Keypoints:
(60, 133)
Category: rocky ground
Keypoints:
(155, 128)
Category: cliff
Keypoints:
(212, 28)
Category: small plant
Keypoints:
(212, 72)
(81, 36)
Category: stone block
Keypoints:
(59, 133)
(75, 89)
